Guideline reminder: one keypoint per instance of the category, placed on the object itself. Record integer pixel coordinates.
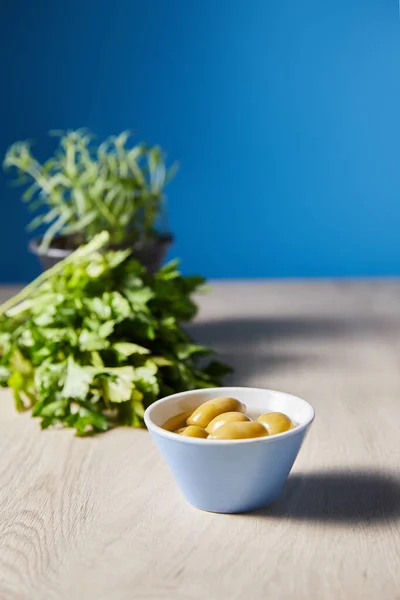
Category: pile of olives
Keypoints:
(225, 419)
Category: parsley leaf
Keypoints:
(96, 339)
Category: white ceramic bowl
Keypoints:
(230, 476)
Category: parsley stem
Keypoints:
(97, 243)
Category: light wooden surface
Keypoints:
(102, 519)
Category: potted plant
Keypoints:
(86, 188)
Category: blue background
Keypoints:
(283, 115)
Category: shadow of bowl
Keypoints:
(356, 497)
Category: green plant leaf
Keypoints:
(49, 376)
(118, 390)
(161, 361)
(128, 348)
(54, 409)
(4, 375)
(87, 421)
(186, 350)
(217, 369)
(119, 383)
(54, 229)
(81, 224)
(78, 380)
(140, 297)
(120, 306)
(90, 340)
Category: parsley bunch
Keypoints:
(96, 339)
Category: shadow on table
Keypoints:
(336, 497)
(253, 329)
(247, 344)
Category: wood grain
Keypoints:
(102, 519)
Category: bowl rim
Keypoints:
(151, 426)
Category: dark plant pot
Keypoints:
(151, 254)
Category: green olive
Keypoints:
(177, 421)
(238, 431)
(206, 412)
(227, 417)
(275, 422)
(194, 431)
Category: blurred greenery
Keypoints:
(86, 188)
(96, 339)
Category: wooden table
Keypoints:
(101, 518)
